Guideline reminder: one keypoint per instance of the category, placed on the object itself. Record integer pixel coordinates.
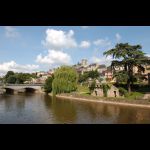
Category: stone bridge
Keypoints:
(19, 88)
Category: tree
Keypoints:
(65, 80)
(20, 77)
(90, 74)
(48, 84)
(126, 57)
(121, 76)
(93, 74)
(8, 74)
(83, 77)
(11, 79)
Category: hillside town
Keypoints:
(105, 72)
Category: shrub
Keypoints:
(92, 86)
(105, 87)
(123, 91)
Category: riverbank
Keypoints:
(111, 101)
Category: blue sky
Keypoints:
(35, 48)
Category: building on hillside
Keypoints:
(101, 68)
(84, 62)
(41, 77)
(84, 67)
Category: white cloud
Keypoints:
(148, 55)
(118, 37)
(13, 66)
(85, 44)
(102, 60)
(54, 57)
(84, 27)
(102, 42)
(11, 32)
(58, 39)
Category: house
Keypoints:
(101, 68)
(112, 92)
(108, 75)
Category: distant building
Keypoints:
(84, 67)
(101, 68)
(41, 77)
(84, 62)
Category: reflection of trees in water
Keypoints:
(133, 115)
(20, 105)
(9, 102)
(143, 116)
(97, 110)
(48, 101)
(14, 103)
(64, 111)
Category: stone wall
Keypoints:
(112, 92)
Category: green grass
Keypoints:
(135, 95)
(83, 89)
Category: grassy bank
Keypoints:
(83, 93)
(110, 99)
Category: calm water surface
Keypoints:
(39, 108)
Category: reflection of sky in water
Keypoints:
(38, 108)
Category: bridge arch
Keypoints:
(9, 90)
(30, 90)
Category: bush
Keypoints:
(123, 91)
(105, 87)
(92, 86)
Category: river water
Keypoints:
(41, 109)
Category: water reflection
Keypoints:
(40, 108)
(63, 111)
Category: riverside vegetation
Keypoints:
(125, 56)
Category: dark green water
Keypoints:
(39, 108)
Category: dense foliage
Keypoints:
(123, 92)
(105, 87)
(86, 75)
(126, 57)
(48, 84)
(92, 86)
(17, 78)
(65, 80)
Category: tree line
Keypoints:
(17, 78)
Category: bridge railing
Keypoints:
(21, 84)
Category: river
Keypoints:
(41, 109)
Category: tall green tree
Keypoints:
(48, 84)
(8, 74)
(65, 80)
(126, 57)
